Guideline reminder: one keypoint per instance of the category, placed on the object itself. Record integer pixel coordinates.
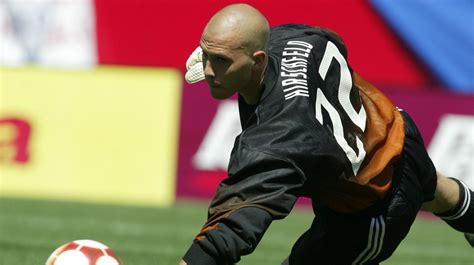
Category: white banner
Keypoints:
(452, 147)
(53, 33)
(214, 151)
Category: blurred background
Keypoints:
(93, 106)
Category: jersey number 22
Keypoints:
(344, 89)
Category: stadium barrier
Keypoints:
(102, 135)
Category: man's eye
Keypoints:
(221, 59)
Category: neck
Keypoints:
(251, 95)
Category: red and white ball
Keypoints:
(83, 252)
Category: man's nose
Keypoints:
(208, 71)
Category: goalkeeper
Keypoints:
(311, 126)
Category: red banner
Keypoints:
(164, 33)
(197, 112)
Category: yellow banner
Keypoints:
(103, 135)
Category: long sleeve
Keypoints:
(261, 188)
(236, 235)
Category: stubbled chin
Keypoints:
(220, 94)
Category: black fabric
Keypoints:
(332, 233)
(461, 217)
(284, 152)
(281, 145)
(470, 239)
(241, 230)
(418, 160)
(466, 222)
(333, 238)
(196, 255)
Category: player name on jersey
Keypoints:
(294, 66)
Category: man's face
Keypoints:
(227, 67)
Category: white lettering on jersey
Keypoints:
(294, 65)
(344, 89)
(345, 83)
(294, 59)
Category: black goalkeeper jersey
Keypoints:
(319, 131)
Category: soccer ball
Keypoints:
(83, 252)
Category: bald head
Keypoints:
(239, 25)
(234, 45)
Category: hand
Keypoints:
(182, 262)
(194, 67)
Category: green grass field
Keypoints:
(31, 229)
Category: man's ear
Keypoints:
(259, 59)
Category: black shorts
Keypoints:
(372, 235)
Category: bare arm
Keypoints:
(446, 195)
